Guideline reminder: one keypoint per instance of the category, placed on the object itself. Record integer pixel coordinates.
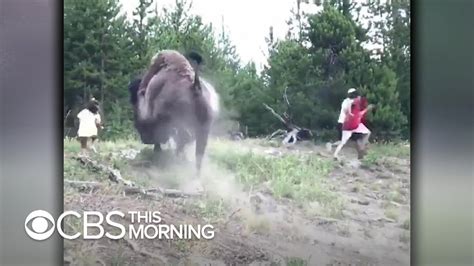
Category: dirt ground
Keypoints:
(253, 227)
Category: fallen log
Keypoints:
(113, 174)
(154, 193)
(293, 132)
(278, 132)
(130, 188)
(174, 193)
(83, 186)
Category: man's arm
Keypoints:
(370, 107)
(346, 107)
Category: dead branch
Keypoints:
(130, 187)
(67, 115)
(113, 174)
(286, 122)
(128, 191)
(280, 132)
(275, 113)
(231, 215)
(178, 193)
(151, 193)
(386, 220)
(292, 135)
(326, 220)
(134, 246)
(285, 97)
(174, 193)
(133, 191)
(83, 185)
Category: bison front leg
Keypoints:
(157, 148)
(202, 135)
(182, 138)
(156, 152)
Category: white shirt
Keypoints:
(345, 107)
(87, 123)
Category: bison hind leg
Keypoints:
(182, 139)
(202, 136)
(157, 148)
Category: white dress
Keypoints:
(87, 123)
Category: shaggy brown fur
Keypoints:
(169, 102)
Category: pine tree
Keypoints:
(95, 53)
(140, 29)
(387, 120)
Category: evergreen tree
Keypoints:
(307, 75)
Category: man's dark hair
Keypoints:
(353, 94)
(195, 57)
(133, 89)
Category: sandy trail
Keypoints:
(372, 231)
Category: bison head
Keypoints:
(151, 132)
(145, 130)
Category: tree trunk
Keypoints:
(102, 64)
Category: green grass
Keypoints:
(395, 196)
(378, 153)
(108, 154)
(299, 177)
(302, 178)
(210, 208)
(391, 213)
(72, 146)
(74, 170)
(119, 258)
(293, 261)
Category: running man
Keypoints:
(345, 108)
(353, 123)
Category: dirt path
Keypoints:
(255, 228)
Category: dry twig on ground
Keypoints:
(113, 174)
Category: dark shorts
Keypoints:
(355, 136)
(83, 140)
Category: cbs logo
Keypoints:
(39, 225)
(39, 220)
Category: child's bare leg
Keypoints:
(93, 140)
(346, 135)
(83, 142)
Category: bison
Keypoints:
(172, 101)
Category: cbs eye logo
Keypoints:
(39, 225)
